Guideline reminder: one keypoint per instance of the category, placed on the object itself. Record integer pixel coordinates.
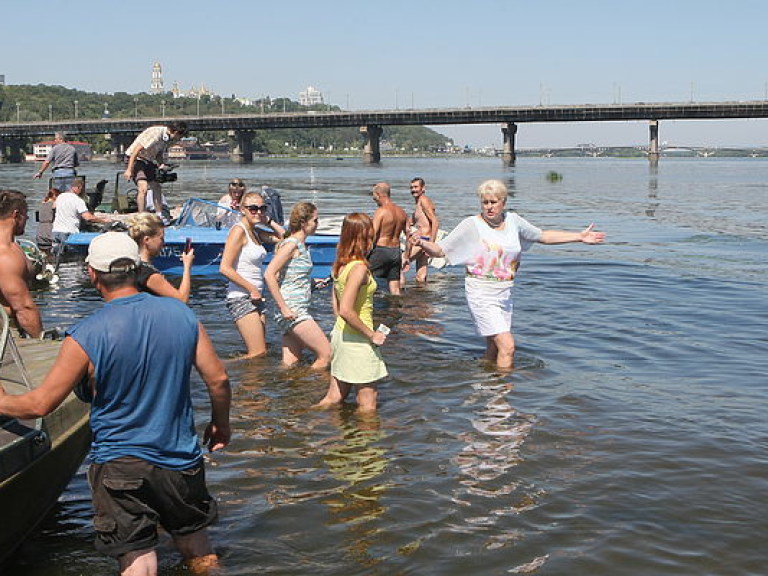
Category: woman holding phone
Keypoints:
(148, 231)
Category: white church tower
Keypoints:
(157, 79)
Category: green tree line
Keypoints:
(27, 103)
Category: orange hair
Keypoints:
(355, 242)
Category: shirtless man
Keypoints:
(14, 269)
(389, 221)
(426, 223)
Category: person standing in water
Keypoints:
(241, 264)
(490, 245)
(355, 357)
(389, 222)
(289, 279)
(426, 223)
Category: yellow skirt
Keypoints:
(354, 359)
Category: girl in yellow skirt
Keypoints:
(355, 357)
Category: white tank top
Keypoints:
(248, 265)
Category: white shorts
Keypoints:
(490, 304)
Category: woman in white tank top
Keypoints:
(241, 264)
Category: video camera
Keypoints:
(166, 174)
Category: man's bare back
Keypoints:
(389, 220)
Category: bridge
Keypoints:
(241, 127)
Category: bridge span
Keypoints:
(241, 127)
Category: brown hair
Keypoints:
(355, 241)
(300, 214)
(11, 200)
(52, 194)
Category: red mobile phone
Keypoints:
(188, 245)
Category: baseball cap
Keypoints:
(108, 248)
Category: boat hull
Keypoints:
(39, 457)
(208, 244)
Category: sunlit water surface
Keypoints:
(630, 439)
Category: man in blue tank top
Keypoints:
(137, 353)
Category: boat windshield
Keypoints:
(199, 212)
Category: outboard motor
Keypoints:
(97, 196)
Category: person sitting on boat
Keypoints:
(241, 263)
(148, 231)
(64, 158)
(289, 279)
(225, 217)
(44, 234)
(141, 417)
(71, 212)
(14, 266)
(145, 157)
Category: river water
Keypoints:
(630, 439)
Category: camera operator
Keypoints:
(145, 160)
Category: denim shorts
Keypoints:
(242, 306)
(131, 497)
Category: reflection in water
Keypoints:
(356, 460)
(511, 185)
(417, 315)
(488, 458)
(653, 188)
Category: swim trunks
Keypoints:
(385, 262)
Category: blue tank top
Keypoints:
(142, 348)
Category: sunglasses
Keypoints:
(254, 209)
(238, 184)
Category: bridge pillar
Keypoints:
(241, 146)
(120, 143)
(371, 150)
(11, 150)
(653, 145)
(508, 156)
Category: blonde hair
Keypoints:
(144, 225)
(300, 214)
(251, 193)
(495, 188)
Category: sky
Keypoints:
(366, 55)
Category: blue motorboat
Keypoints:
(200, 221)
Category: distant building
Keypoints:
(40, 150)
(188, 149)
(2, 79)
(157, 80)
(310, 97)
